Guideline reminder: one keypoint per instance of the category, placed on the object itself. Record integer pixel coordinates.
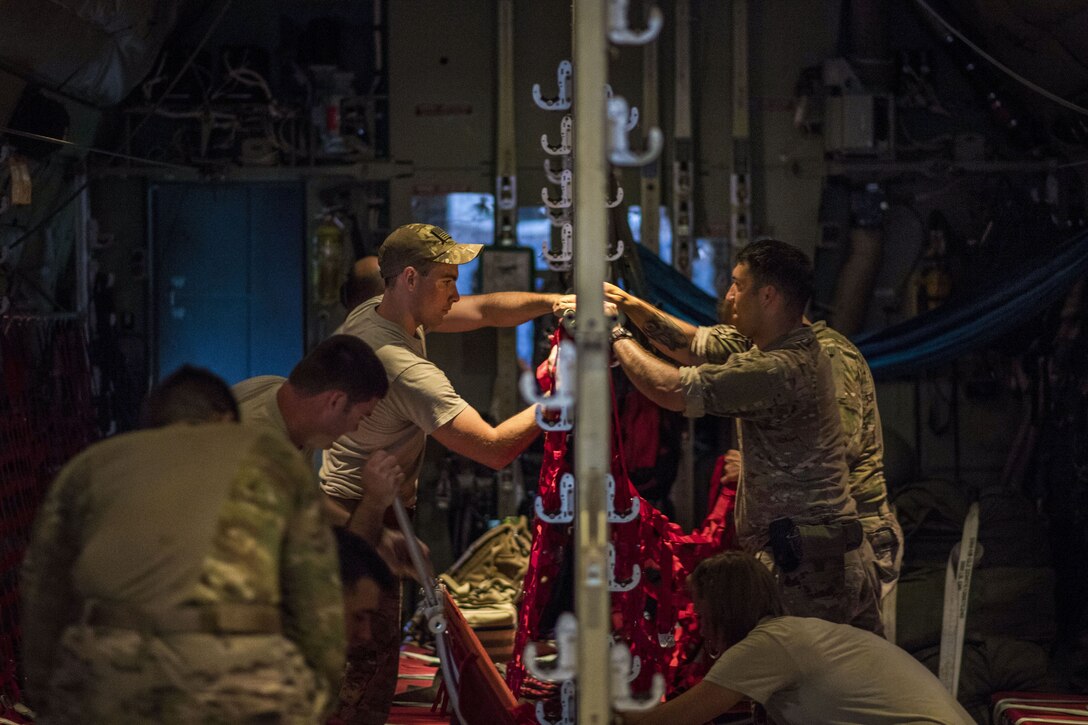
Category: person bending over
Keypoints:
(801, 669)
(183, 573)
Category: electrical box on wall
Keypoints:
(860, 124)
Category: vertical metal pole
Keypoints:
(504, 395)
(506, 190)
(683, 218)
(918, 426)
(683, 222)
(955, 415)
(592, 444)
(740, 182)
(650, 199)
(83, 247)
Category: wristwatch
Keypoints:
(619, 332)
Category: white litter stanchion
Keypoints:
(565, 514)
(619, 517)
(620, 33)
(566, 653)
(624, 670)
(957, 593)
(562, 397)
(563, 82)
(566, 698)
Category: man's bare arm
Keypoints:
(496, 309)
(667, 333)
(702, 703)
(656, 379)
(473, 437)
(382, 480)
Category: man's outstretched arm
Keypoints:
(667, 333)
(656, 379)
(496, 309)
(702, 703)
(496, 446)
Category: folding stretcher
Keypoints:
(472, 686)
(1027, 708)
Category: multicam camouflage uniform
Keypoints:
(792, 466)
(257, 406)
(855, 393)
(218, 525)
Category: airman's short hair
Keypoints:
(188, 395)
(341, 362)
(783, 266)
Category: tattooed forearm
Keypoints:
(656, 379)
(665, 332)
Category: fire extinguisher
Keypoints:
(327, 259)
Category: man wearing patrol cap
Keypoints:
(419, 265)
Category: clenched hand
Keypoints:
(384, 481)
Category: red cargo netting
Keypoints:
(655, 617)
(46, 417)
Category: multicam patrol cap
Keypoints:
(412, 244)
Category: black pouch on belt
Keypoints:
(816, 587)
(785, 544)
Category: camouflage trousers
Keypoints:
(121, 676)
(370, 675)
(885, 536)
(846, 594)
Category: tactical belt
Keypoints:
(220, 618)
(872, 509)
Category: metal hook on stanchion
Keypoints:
(566, 508)
(566, 652)
(562, 395)
(433, 608)
(559, 217)
(566, 696)
(632, 114)
(560, 261)
(620, 33)
(566, 182)
(563, 78)
(561, 424)
(566, 127)
(622, 677)
(617, 254)
(613, 203)
(619, 152)
(614, 516)
(614, 584)
(555, 177)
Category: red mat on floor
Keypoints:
(412, 674)
(404, 715)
